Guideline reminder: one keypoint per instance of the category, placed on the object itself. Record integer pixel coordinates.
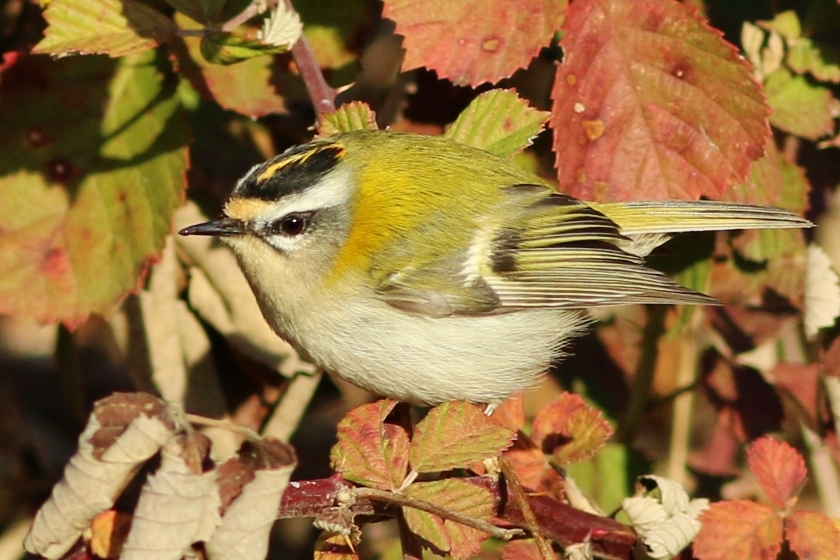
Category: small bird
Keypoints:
(428, 271)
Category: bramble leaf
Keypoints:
(455, 435)
(650, 102)
(812, 535)
(371, 451)
(570, 429)
(93, 168)
(739, 529)
(780, 470)
(112, 27)
(448, 38)
(355, 115)
(498, 121)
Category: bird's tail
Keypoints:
(675, 216)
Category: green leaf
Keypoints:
(254, 87)
(112, 27)
(456, 496)
(455, 435)
(229, 48)
(819, 59)
(799, 107)
(93, 167)
(785, 24)
(499, 122)
(355, 115)
(370, 451)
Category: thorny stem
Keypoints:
(518, 493)
(403, 500)
(320, 92)
(640, 392)
(223, 424)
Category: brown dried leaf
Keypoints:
(246, 523)
(123, 432)
(371, 451)
(178, 506)
(570, 429)
(455, 435)
(334, 547)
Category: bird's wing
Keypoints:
(562, 253)
(540, 250)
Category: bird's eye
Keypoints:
(293, 224)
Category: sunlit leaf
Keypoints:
(812, 535)
(799, 107)
(650, 102)
(570, 429)
(739, 529)
(93, 168)
(498, 121)
(369, 450)
(112, 27)
(474, 41)
(779, 468)
(356, 115)
(456, 434)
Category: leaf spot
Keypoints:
(571, 79)
(56, 264)
(37, 138)
(594, 129)
(579, 107)
(491, 44)
(61, 170)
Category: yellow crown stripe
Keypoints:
(296, 159)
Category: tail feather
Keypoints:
(675, 216)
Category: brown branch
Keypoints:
(320, 92)
(387, 497)
(556, 520)
(518, 494)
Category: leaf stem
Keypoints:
(518, 494)
(402, 500)
(645, 369)
(320, 92)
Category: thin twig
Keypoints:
(516, 491)
(320, 92)
(645, 369)
(403, 500)
(223, 424)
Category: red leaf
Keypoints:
(650, 102)
(450, 39)
(812, 535)
(511, 413)
(369, 450)
(570, 429)
(780, 470)
(739, 529)
(455, 435)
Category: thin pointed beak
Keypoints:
(223, 227)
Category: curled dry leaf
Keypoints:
(247, 521)
(178, 504)
(667, 523)
(123, 432)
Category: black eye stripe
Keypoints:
(290, 225)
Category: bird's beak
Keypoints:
(223, 227)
